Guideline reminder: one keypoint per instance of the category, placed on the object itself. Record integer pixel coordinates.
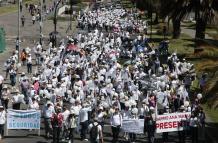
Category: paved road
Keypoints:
(29, 33)
(26, 136)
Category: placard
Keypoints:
(133, 126)
(171, 122)
(23, 119)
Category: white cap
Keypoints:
(186, 103)
(199, 96)
(151, 108)
(127, 104)
(101, 108)
(72, 112)
(5, 86)
(135, 110)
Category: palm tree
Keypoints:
(178, 9)
(204, 13)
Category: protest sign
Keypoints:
(23, 119)
(171, 122)
(133, 126)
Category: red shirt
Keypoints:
(57, 119)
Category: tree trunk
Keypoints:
(176, 28)
(200, 28)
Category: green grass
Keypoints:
(183, 46)
(81, 5)
(212, 113)
(8, 9)
(127, 4)
(13, 7)
(31, 1)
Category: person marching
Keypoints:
(95, 132)
(57, 123)
(2, 121)
(71, 124)
(116, 123)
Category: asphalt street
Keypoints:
(27, 136)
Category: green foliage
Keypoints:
(2, 40)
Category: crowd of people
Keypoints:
(87, 86)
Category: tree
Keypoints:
(178, 9)
(204, 13)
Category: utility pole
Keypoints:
(18, 31)
(71, 12)
(55, 23)
(40, 24)
(151, 20)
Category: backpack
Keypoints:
(94, 132)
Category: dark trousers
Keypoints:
(48, 129)
(165, 136)
(16, 106)
(150, 134)
(22, 23)
(132, 137)
(1, 88)
(181, 136)
(84, 127)
(71, 134)
(5, 103)
(194, 132)
(56, 134)
(13, 79)
(115, 132)
(29, 67)
(2, 130)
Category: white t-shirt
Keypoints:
(1, 79)
(2, 117)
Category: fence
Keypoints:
(2, 40)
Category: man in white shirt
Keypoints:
(83, 120)
(1, 81)
(47, 113)
(65, 114)
(29, 63)
(2, 121)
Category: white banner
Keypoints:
(171, 122)
(133, 126)
(23, 119)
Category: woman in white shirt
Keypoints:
(29, 63)
(2, 121)
(71, 124)
(5, 96)
(116, 123)
(101, 116)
